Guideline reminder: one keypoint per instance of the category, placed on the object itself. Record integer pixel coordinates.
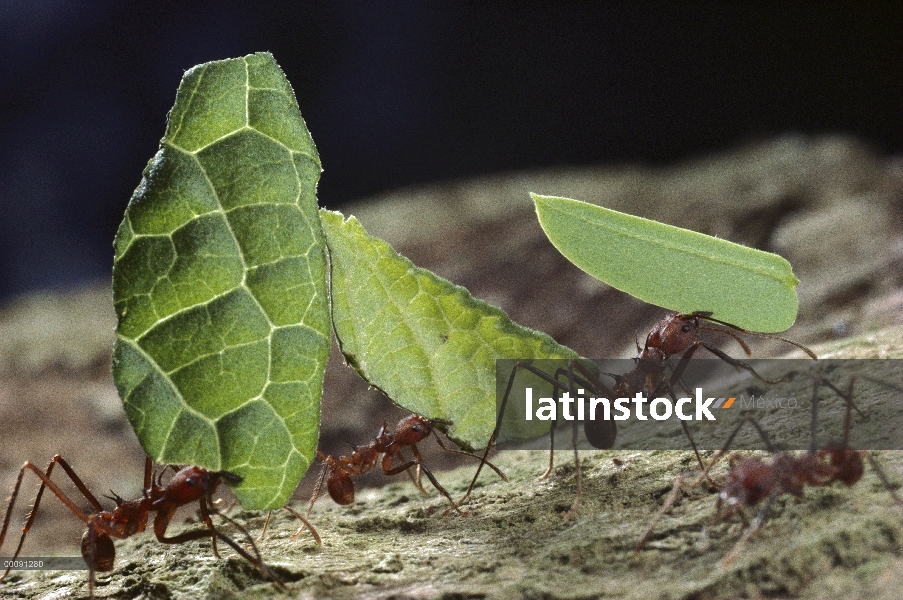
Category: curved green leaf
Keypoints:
(675, 268)
(219, 284)
(427, 343)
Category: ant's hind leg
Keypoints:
(679, 485)
(45, 483)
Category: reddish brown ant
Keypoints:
(191, 484)
(337, 472)
(675, 335)
(752, 480)
(412, 429)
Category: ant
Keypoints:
(191, 484)
(751, 480)
(677, 334)
(338, 471)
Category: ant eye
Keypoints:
(416, 428)
(190, 482)
(687, 328)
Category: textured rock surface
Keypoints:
(829, 205)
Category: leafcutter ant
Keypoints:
(191, 484)
(677, 335)
(337, 472)
(751, 480)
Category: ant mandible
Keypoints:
(191, 484)
(676, 335)
(751, 480)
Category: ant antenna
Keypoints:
(706, 315)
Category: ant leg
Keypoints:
(313, 531)
(199, 534)
(266, 524)
(256, 561)
(498, 422)
(594, 386)
(415, 479)
(676, 375)
(848, 397)
(853, 459)
(883, 477)
(456, 451)
(721, 452)
(579, 493)
(319, 487)
(418, 480)
(669, 502)
(668, 383)
(45, 482)
(683, 424)
(737, 363)
(553, 426)
(205, 515)
(300, 517)
(388, 469)
(750, 531)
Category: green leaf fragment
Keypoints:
(675, 268)
(219, 284)
(427, 343)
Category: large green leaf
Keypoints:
(678, 269)
(219, 284)
(427, 343)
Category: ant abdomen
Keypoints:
(340, 487)
(600, 434)
(104, 551)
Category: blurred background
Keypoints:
(773, 125)
(409, 92)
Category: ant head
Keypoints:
(193, 483)
(846, 464)
(412, 429)
(674, 334)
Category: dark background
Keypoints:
(407, 92)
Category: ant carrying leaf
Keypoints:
(189, 485)
(337, 472)
(677, 335)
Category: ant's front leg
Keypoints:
(389, 469)
(161, 522)
(416, 479)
